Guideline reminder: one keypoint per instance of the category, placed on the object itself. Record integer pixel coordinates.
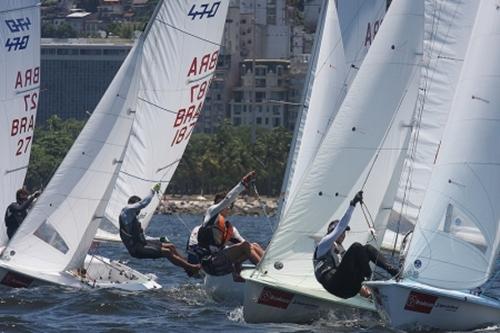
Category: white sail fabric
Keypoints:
(330, 76)
(456, 239)
(360, 21)
(366, 121)
(323, 94)
(179, 60)
(448, 25)
(63, 218)
(19, 94)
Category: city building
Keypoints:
(264, 29)
(262, 100)
(75, 75)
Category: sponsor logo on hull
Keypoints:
(420, 302)
(276, 298)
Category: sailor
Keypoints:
(195, 252)
(16, 212)
(339, 271)
(134, 240)
(218, 247)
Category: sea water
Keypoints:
(181, 306)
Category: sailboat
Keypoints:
(51, 245)
(456, 240)
(362, 148)
(19, 93)
(329, 75)
(168, 107)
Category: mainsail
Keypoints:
(58, 232)
(457, 237)
(179, 60)
(366, 130)
(330, 75)
(19, 94)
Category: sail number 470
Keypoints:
(204, 9)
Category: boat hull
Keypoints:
(226, 288)
(100, 273)
(407, 304)
(264, 303)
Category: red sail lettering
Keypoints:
(193, 69)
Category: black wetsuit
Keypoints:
(341, 273)
(132, 234)
(15, 215)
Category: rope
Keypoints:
(368, 219)
(263, 206)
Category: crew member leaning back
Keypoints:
(218, 257)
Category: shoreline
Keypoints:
(198, 204)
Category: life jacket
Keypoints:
(206, 235)
(328, 262)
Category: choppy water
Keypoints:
(181, 306)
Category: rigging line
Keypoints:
(263, 206)
(156, 105)
(189, 34)
(168, 165)
(177, 215)
(144, 179)
(368, 220)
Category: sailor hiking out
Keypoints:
(134, 240)
(339, 271)
(220, 249)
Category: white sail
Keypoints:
(63, 217)
(179, 60)
(323, 93)
(456, 239)
(369, 119)
(360, 21)
(448, 25)
(19, 94)
(330, 75)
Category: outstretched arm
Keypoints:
(326, 242)
(143, 203)
(230, 197)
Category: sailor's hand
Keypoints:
(156, 188)
(249, 177)
(357, 198)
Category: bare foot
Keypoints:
(365, 292)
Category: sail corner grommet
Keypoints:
(278, 265)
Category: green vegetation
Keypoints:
(210, 164)
(214, 163)
(52, 141)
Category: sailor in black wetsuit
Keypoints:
(16, 212)
(132, 236)
(342, 272)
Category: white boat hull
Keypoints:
(407, 304)
(226, 288)
(100, 273)
(274, 304)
